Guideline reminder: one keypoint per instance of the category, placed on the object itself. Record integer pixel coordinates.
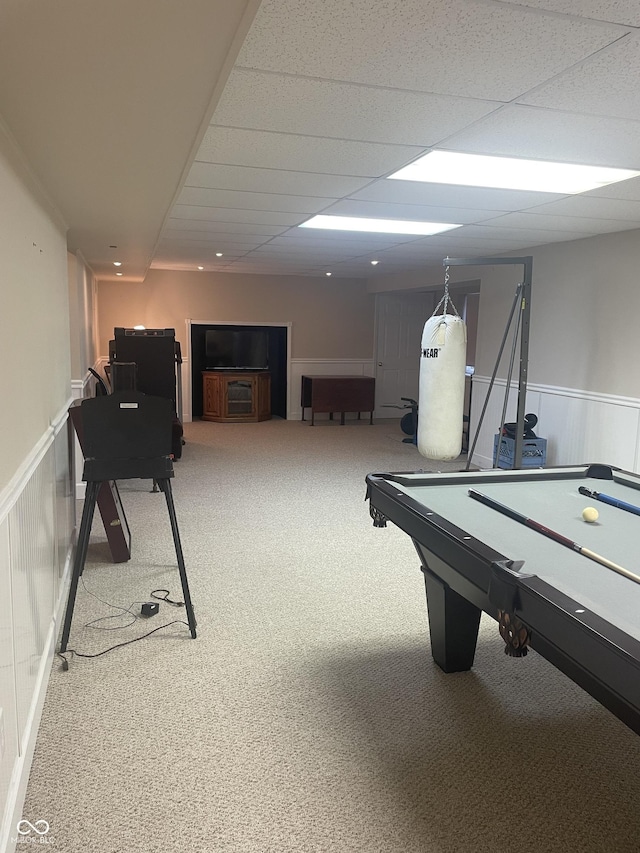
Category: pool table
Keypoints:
(580, 615)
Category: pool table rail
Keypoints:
(465, 577)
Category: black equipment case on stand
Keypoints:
(158, 360)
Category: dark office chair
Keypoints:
(127, 435)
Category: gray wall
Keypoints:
(331, 318)
(583, 377)
(585, 307)
(34, 320)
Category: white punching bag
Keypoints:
(443, 356)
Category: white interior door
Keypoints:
(400, 319)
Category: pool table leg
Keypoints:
(453, 624)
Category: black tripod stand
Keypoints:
(127, 435)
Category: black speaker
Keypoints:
(154, 354)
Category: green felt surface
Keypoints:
(557, 504)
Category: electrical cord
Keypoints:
(166, 598)
(123, 610)
(65, 662)
(93, 623)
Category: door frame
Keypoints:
(186, 373)
(458, 294)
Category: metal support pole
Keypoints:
(525, 317)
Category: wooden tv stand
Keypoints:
(236, 396)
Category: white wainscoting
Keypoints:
(80, 390)
(37, 518)
(322, 367)
(185, 376)
(580, 426)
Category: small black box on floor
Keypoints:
(534, 452)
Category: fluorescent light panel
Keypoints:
(378, 226)
(508, 173)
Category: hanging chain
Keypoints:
(445, 299)
(446, 289)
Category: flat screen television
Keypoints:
(239, 349)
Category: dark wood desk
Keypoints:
(338, 394)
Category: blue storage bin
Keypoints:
(534, 452)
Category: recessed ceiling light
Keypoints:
(117, 263)
(379, 226)
(509, 173)
(218, 254)
(328, 273)
(200, 268)
(374, 263)
(119, 273)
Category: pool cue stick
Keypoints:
(607, 499)
(552, 534)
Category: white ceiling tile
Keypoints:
(520, 131)
(347, 272)
(250, 179)
(443, 46)
(170, 263)
(606, 84)
(247, 230)
(201, 229)
(448, 195)
(572, 225)
(302, 105)
(199, 260)
(303, 252)
(261, 267)
(331, 97)
(629, 190)
(402, 253)
(207, 246)
(577, 224)
(365, 237)
(239, 147)
(594, 208)
(614, 11)
(228, 214)
(424, 213)
(208, 238)
(278, 202)
(174, 224)
(292, 241)
(195, 261)
(444, 241)
(518, 237)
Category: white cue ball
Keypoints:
(590, 514)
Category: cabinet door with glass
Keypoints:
(240, 398)
(229, 396)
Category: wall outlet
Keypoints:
(2, 740)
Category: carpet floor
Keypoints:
(308, 715)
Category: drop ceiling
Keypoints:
(181, 131)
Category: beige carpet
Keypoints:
(308, 714)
